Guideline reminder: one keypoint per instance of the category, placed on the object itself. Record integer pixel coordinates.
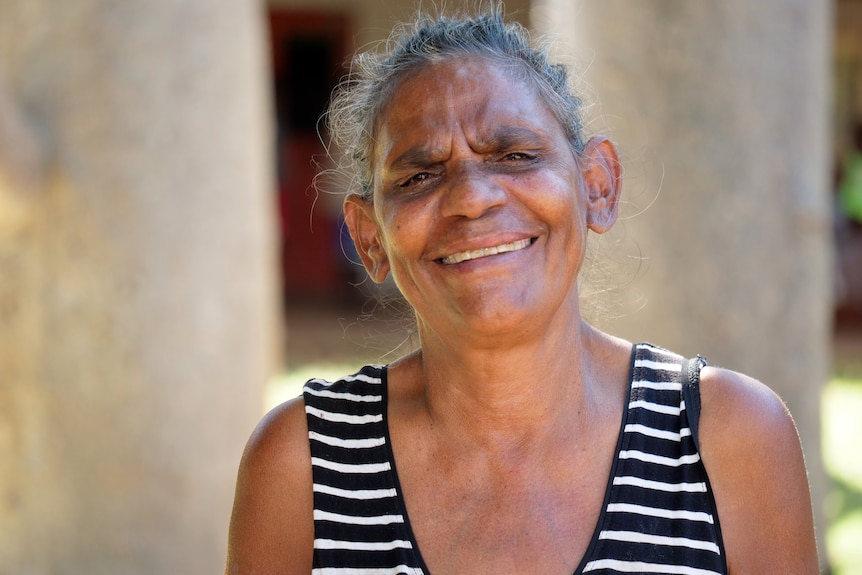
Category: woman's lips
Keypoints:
(484, 252)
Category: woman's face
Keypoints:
(479, 209)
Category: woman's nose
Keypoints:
(471, 192)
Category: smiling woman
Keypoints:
(462, 180)
(517, 438)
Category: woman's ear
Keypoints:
(362, 225)
(602, 177)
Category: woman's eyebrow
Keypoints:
(418, 155)
(513, 136)
(501, 137)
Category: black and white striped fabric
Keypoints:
(360, 523)
(659, 514)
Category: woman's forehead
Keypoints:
(456, 77)
(477, 96)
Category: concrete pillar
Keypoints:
(138, 305)
(720, 110)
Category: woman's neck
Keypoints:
(519, 393)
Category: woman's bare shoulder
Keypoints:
(279, 445)
(751, 450)
(284, 426)
(271, 527)
(732, 397)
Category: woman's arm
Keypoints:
(751, 451)
(272, 526)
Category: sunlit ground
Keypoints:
(842, 454)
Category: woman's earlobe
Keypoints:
(359, 217)
(602, 177)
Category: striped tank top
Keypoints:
(658, 515)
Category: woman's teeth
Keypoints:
(483, 252)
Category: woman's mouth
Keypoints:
(484, 252)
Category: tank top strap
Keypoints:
(690, 380)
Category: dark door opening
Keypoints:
(308, 51)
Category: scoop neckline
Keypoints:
(399, 494)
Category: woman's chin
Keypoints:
(496, 322)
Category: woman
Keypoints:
(517, 438)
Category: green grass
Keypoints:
(842, 457)
(842, 454)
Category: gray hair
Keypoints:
(360, 99)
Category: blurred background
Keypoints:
(169, 271)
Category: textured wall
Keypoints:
(137, 292)
(720, 110)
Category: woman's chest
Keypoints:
(472, 515)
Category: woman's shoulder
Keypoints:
(280, 432)
(744, 425)
(281, 437)
(746, 430)
(271, 528)
(745, 408)
(751, 450)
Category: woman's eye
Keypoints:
(415, 179)
(516, 156)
